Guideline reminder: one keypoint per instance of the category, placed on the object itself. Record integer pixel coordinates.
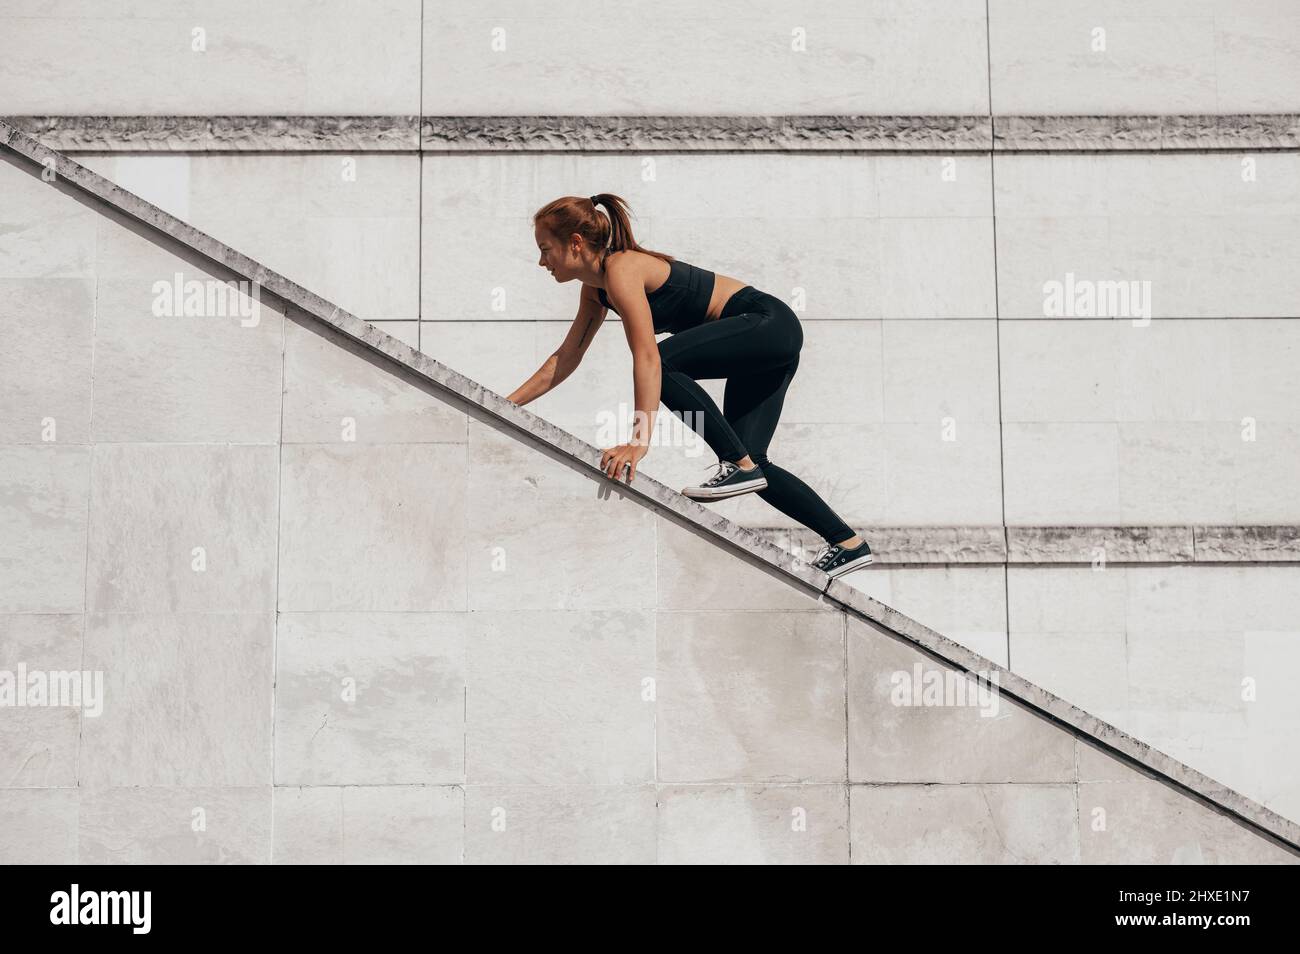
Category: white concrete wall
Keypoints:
(543, 671)
(1191, 418)
(1159, 56)
(1194, 660)
(1102, 421)
(924, 293)
(779, 56)
(210, 57)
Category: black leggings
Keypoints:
(755, 346)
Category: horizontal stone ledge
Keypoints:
(1244, 132)
(1279, 544)
(849, 133)
(1100, 545)
(560, 133)
(223, 133)
(997, 545)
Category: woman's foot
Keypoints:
(731, 480)
(834, 560)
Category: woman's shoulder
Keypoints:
(630, 257)
(641, 264)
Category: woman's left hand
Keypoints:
(613, 460)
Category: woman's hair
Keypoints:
(572, 213)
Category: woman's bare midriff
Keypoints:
(724, 286)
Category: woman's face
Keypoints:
(554, 257)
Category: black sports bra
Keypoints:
(681, 302)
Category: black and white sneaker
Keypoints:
(729, 481)
(836, 561)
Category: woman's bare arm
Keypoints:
(625, 287)
(562, 362)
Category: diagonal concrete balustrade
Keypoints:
(350, 605)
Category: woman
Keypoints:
(720, 329)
